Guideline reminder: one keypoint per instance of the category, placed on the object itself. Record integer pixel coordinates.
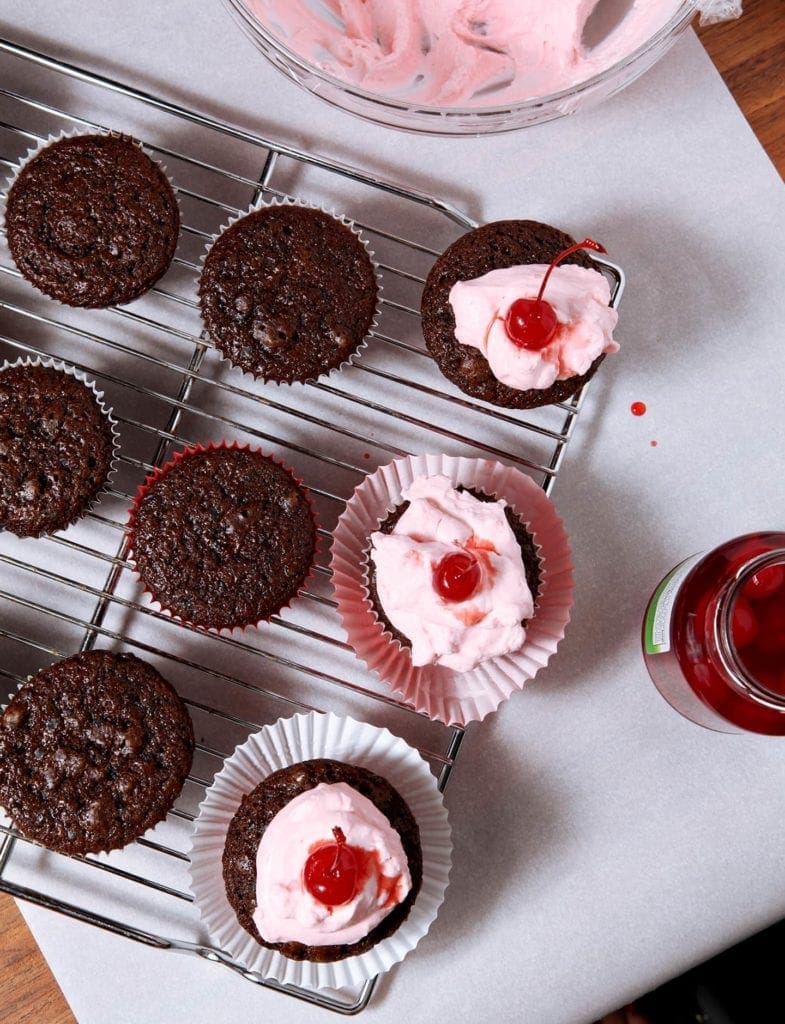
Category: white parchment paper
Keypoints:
(602, 843)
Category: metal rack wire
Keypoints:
(169, 388)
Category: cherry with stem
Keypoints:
(532, 323)
(330, 873)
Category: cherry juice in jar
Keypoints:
(714, 636)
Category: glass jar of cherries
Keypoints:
(714, 636)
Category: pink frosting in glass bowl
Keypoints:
(464, 66)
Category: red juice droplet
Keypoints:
(653, 444)
(638, 408)
(366, 455)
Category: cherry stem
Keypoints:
(469, 567)
(587, 243)
(340, 840)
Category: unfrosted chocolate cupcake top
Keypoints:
(92, 221)
(287, 293)
(94, 750)
(223, 537)
(56, 449)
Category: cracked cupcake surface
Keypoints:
(94, 750)
(56, 447)
(92, 221)
(287, 293)
(223, 537)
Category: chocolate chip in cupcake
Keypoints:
(56, 447)
(259, 809)
(92, 221)
(496, 246)
(94, 750)
(287, 293)
(223, 537)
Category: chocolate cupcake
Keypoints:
(94, 750)
(528, 552)
(91, 220)
(308, 812)
(452, 575)
(274, 795)
(492, 361)
(57, 442)
(464, 593)
(288, 292)
(222, 536)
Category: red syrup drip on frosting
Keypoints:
(457, 576)
(335, 872)
(532, 323)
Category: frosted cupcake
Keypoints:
(453, 575)
(517, 314)
(321, 853)
(454, 581)
(322, 861)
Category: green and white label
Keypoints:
(657, 624)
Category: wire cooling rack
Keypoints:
(169, 388)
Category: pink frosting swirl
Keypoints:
(439, 521)
(462, 52)
(285, 910)
(579, 297)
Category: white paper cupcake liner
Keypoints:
(263, 204)
(287, 742)
(443, 694)
(59, 365)
(76, 133)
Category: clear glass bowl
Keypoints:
(434, 120)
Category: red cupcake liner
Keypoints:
(158, 473)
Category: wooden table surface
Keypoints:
(750, 54)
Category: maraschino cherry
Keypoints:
(532, 323)
(330, 873)
(457, 576)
